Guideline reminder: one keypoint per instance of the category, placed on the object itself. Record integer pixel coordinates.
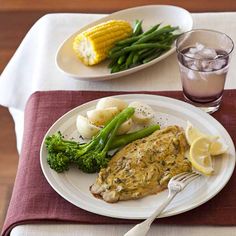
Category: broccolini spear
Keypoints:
(57, 152)
(89, 157)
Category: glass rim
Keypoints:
(206, 30)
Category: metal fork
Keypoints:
(176, 185)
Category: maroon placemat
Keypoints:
(33, 199)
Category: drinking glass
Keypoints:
(203, 58)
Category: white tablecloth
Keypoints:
(32, 68)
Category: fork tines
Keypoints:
(186, 177)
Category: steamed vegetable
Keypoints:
(141, 47)
(143, 112)
(100, 117)
(138, 47)
(92, 156)
(111, 102)
(85, 128)
(125, 127)
(89, 157)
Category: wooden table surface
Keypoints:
(16, 18)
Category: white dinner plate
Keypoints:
(68, 63)
(73, 185)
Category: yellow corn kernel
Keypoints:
(92, 46)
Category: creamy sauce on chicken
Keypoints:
(143, 167)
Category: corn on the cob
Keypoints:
(92, 46)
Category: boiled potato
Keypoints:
(85, 128)
(100, 117)
(111, 102)
(143, 112)
(125, 127)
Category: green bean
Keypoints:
(148, 53)
(121, 59)
(114, 49)
(135, 38)
(154, 34)
(129, 60)
(164, 37)
(138, 28)
(172, 38)
(155, 27)
(138, 47)
(122, 67)
(136, 64)
(143, 51)
(152, 57)
(115, 68)
(135, 58)
(141, 47)
(128, 41)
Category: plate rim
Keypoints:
(110, 76)
(167, 214)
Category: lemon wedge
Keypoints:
(192, 133)
(218, 148)
(200, 157)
